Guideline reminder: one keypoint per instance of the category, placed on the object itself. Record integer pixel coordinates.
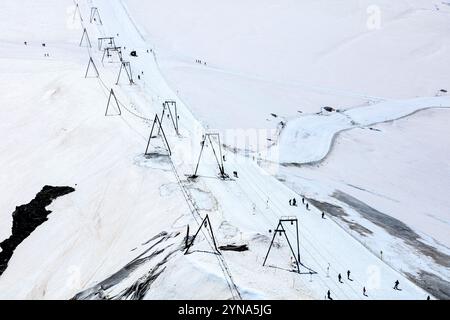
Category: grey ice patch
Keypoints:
(394, 227)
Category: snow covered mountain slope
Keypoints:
(374, 61)
(121, 233)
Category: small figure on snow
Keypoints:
(329, 295)
(340, 278)
(396, 285)
(307, 206)
(294, 202)
(235, 174)
(365, 292)
(348, 275)
(323, 215)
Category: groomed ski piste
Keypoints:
(121, 233)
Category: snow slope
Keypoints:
(121, 233)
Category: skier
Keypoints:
(290, 202)
(224, 160)
(294, 202)
(340, 278)
(396, 285)
(364, 292)
(323, 215)
(428, 298)
(25, 43)
(348, 275)
(303, 200)
(329, 295)
(139, 77)
(235, 174)
(307, 206)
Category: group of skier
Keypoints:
(396, 284)
(200, 62)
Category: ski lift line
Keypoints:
(324, 284)
(139, 116)
(124, 106)
(310, 243)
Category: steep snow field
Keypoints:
(120, 235)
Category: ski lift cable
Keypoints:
(325, 286)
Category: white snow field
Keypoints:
(121, 234)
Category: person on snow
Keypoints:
(364, 292)
(235, 174)
(396, 285)
(290, 202)
(340, 278)
(307, 206)
(303, 200)
(294, 202)
(323, 215)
